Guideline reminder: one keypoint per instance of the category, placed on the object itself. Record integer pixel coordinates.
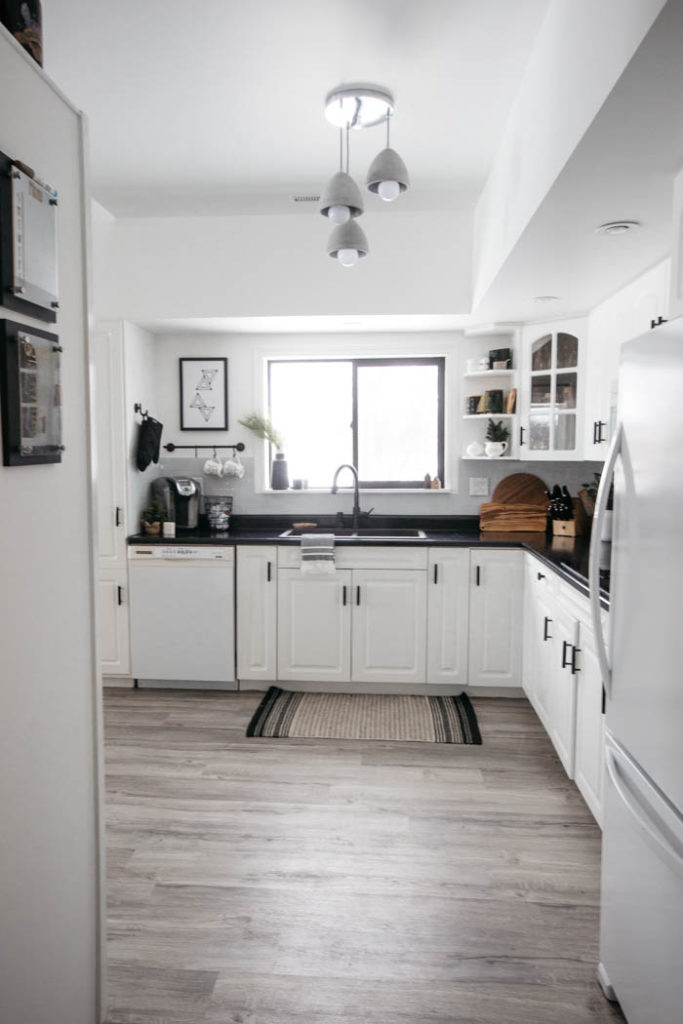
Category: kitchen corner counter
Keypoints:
(568, 556)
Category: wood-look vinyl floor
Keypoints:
(323, 882)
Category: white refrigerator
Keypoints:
(641, 928)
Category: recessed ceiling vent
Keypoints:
(305, 199)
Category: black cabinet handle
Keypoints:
(118, 516)
(574, 667)
(269, 572)
(565, 646)
(344, 596)
(119, 595)
(436, 573)
(546, 623)
(540, 575)
(597, 431)
(357, 595)
(478, 576)
(521, 436)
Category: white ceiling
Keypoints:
(217, 106)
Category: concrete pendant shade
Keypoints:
(387, 166)
(341, 190)
(347, 236)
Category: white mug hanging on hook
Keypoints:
(233, 466)
(213, 465)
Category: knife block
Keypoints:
(575, 527)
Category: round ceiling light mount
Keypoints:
(358, 106)
(617, 227)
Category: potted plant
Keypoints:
(496, 439)
(152, 518)
(263, 428)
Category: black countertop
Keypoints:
(567, 555)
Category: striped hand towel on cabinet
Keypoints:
(317, 554)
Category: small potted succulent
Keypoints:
(152, 518)
(496, 439)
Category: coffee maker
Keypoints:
(179, 498)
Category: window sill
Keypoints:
(363, 490)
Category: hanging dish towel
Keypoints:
(149, 441)
(317, 554)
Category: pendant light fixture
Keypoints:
(341, 198)
(388, 175)
(357, 107)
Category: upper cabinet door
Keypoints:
(552, 392)
(108, 403)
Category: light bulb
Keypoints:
(348, 257)
(388, 190)
(338, 214)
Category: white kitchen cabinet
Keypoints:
(562, 676)
(314, 626)
(112, 622)
(112, 501)
(110, 438)
(448, 603)
(539, 628)
(496, 589)
(366, 622)
(389, 627)
(257, 612)
(562, 680)
(589, 760)
(552, 391)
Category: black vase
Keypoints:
(279, 477)
(24, 19)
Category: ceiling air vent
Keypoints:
(305, 199)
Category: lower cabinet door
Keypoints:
(314, 626)
(496, 584)
(256, 612)
(389, 626)
(562, 684)
(590, 724)
(112, 622)
(448, 599)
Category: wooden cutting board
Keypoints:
(520, 489)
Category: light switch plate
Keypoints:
(479, 485)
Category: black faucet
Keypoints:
(355, 514)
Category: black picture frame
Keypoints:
(30, 395)
(203, 393)
(45, 309)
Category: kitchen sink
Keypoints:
(371, 533)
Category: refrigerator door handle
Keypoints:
(594, 558)
(620, 772)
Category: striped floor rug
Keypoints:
(363, 716)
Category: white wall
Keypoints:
(148, 269)
(48, 693)
(246, 353)
(579, 54)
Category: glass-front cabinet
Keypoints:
(552, 391)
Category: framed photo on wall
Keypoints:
(203, 394)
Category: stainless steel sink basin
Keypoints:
(369, 533)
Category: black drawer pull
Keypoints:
(565, 646)
(478, 575)
(521, 436)
(357, 595)
(436, 573)
(546, 623)
(540, 576)
(344, 595)
(119, 595)
(119, 519)
(574, 667)
(269, 572)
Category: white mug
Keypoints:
(233, 467)
(213, 467)
(494, 449)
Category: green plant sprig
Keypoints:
(263, 428)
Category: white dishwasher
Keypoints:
(182, 615)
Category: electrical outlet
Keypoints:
(479, 485)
